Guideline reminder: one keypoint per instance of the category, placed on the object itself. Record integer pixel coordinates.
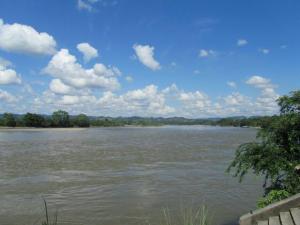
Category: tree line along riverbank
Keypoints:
(62, 119)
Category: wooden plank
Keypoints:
(286, 218)
(271, 210)
(296, 215)
(274, 220)
(262, 222)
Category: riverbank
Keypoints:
(30, 129)
(5, 129)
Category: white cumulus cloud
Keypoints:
(8, 76)
(88, 51)
(147, 101)
(170, 101)
(7, 97)
(145, 54)
(259, 82)
(4, 63)
(65, 67)
(82, 5)
(203, 53)
(58, 87)
(25, 39)
(264, 51)
(231, 84)
(242, 42)
(129, 78)
(236, 99)
(69, 100)
(194, 101)
(266, 102)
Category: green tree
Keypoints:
(47, 121)
(60, 119)
(1, 122)
(276, 152)
(82, 121)
(33, 120)
(9, 120)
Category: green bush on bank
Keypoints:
(275, 154)
(272, 197)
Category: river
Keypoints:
(122, 176)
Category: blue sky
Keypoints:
(148, 58)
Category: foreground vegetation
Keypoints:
(63, 119)
(188, 216)
(47, 220)
(275, 154)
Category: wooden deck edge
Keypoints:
(271, 210)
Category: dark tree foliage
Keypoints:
(9, 120)
(33, 120)
(276, 153)
(107, 122)
(82, 121)
(61, 119)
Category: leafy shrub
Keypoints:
(275, 154)
(271, 197)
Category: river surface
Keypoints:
(122, 176)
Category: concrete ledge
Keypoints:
(270, 210)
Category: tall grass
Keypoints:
(47, 218)
(189, 216)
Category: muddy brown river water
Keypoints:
(122, 176)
